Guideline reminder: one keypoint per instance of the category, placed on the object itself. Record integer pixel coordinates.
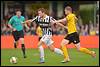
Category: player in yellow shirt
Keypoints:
(72, 36)
(39, 32)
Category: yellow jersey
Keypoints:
(71, 23)
(39, 31)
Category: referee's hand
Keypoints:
(14, 29)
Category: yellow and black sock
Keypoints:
(85, 50)
(65, 51)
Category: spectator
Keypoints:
(97, 29)
(92, 30)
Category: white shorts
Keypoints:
(47, 40)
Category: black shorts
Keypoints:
(73, 38)
(18, 34)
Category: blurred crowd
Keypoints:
(83, 29)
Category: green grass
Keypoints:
(51, 59)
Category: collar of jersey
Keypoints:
(17, 16)
(44, 17)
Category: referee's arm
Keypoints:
(9, 24)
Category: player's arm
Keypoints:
(62, 25)
(58, 22)
(61, 20)
(26, 26)
(30, 20)
(10, 26)
(76, 18)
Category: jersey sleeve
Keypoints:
(70, 16)
(23, 20)
(10, 21)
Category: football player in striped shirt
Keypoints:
(45, 22)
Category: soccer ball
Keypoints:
(13, 60)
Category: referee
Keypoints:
(16, 25)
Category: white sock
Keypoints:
(41, 49)
(58, 51)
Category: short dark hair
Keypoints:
(68, 8)
(17, 10)
(42, 10)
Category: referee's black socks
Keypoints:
(15, 46)
(23, 50)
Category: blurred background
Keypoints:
(86, 11)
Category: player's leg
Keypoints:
(76, 41)
(56, 50)
(21, 38)
(65, 50)
(15, 44)
(41, 50)
(15, 36)
(85, 50)
(23, 47)
(49, 42)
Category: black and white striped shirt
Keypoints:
(45, 24)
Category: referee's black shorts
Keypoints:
(73, 38)
(18, 34)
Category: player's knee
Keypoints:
(22, 40)
(64, 42)
(15, 42)
(78, 49)
(23, 45)
(39, 44)
(51, 48)
(78, 46)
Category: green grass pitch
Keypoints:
(51, 59)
